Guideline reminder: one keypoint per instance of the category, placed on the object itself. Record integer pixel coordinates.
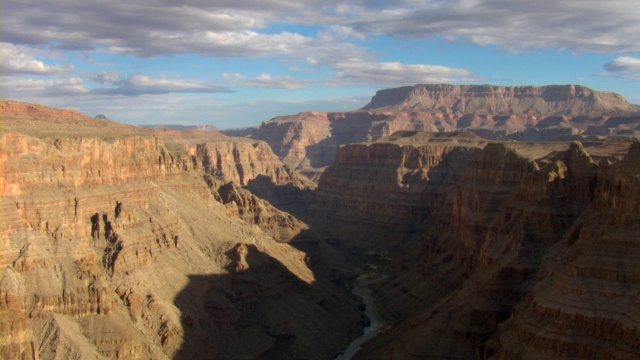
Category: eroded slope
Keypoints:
(119, 242)
(512, 250)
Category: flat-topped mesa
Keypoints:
(530, 100)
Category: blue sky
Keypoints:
(238, 63)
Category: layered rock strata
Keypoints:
(122, 246)
(530, 100)
(507, 259)
(307, 141)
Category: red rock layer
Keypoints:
(122, 248)
(307, 141)
(586, 304)
(531, 100)
(520, 256)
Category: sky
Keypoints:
(237, 63)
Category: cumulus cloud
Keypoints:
(14, 87)
(266, 81)
(106, 77)
(625, 67)
(18, 59)
(139, 84)
(575, 25)
(153, 27)
(134, 85)
(394, 73)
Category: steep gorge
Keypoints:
(505, 256)
(121, 242)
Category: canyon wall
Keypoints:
(125, 244)
(530, 100)
(519, 251)
(307, 142)
(122, 242)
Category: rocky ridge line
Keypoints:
(307, 141)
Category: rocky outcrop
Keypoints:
(120, 245)
(306, 142)
(16, 109)
(585, 304)
(147, 243)
(506, 258)
(392, 184)
(254, 210)
(242, 162)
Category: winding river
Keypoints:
(378, 323)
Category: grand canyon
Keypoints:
(487, 222)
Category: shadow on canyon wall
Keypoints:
(261, 309)
(267, 311)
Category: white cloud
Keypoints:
(624, 63)
(14, 87)
(266, 81)
(134, 85)
(625, 67)
(139, 84)
(394, 73)
(106, 77)
(18, 59)
(574, 25)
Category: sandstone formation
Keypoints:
(306, 142)
(122, 242)
(494, 249)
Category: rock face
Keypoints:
(543, 101)
(306, 142)
(593, 281)
(122, 242)
(390, 183)
(506, 250)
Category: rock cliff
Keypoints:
(121, 242)
(499, 100)
(505, 250)
(307, 141)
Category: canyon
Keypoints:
(487, 223)
(121, 242)
(307, 142)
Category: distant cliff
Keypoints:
(307, 142)
(545, 101)
(119, 241)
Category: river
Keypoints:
(377, 324)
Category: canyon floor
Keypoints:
(124, 242)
